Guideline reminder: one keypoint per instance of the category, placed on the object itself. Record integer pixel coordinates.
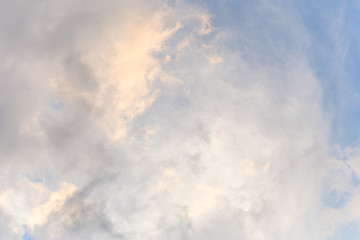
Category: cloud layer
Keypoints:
(146, 120)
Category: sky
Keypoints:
(179, 120)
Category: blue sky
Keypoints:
(26, 235)
(333, 25)
(179, 120)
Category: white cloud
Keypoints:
(161, 125)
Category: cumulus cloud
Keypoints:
(141, 120)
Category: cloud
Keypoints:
(142, 120)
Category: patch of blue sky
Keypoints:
(56, 105)
(355, 180)
(35, 180)
(230, 13)
(27, 235)
(335, 199)
(350, 231)
(46, 178)
(334, 55)
(338, 199)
